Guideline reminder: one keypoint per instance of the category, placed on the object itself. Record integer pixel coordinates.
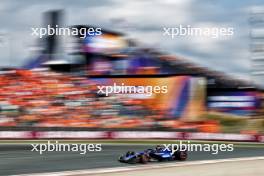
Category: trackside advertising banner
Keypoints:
(180, 97)
(129, 135)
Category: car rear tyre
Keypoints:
(180, 155)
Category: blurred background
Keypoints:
(215, 85)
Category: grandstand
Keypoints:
(52, 92)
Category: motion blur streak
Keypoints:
(19, 159)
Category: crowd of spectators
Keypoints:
(49, 99)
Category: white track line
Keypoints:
(141, 167)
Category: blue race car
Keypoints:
(158, 154)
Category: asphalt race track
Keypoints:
(18, 159)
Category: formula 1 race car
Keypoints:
(157, 154)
